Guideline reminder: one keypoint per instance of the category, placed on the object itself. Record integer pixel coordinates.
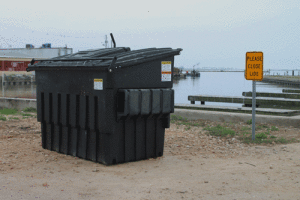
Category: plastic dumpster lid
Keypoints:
(103, 59)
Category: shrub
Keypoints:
(261, 136)
(220, 131)
(30, 109)
(2, 118)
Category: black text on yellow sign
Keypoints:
(254, 66)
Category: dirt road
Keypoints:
(194, 166)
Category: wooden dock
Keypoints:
(267, 111)
(283, 80)
(260, 101)
(274, 95)
(290, 91)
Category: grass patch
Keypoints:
(175, 118)
(220, 131)
(27, 115)
(189, 124)
(261, 136)
(187, 128)
(265, 126)
(249, 121)
(274, 128)
(14, 118)
(3, 118)
(183, 121)
(282, 140)
(248, 140)
(267, 132)
(245, 128)
(7, 111)
(30, 109)
(245, 133)
(178, 118)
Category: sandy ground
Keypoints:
(194, 166)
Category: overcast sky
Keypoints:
(214, 33)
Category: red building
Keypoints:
(17, 59)
(14, 64)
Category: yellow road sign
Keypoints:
(254, 66)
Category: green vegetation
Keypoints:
(245, 133)
(7, 111)
(245, 128)
(27, 114)
(3, 118)
(220, 131)
(263, 133)
(178, 120)
(14, 118)
(265, 126)
(261, 136)
(189, 124)
(282, 140)
(10, 111)
(30, 109)
(267, 132)
(249, 121)
(187, 128)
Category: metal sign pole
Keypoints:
(2, 83)
(253, 108)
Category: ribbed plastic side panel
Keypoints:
(135, 139)
(75, 124)
(68, 123)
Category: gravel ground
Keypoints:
(195, 165)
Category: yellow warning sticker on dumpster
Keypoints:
(166, 71)
(98, 84)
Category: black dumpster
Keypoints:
(106, 105)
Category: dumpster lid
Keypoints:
(105, 59)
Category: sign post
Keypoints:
(254, 72)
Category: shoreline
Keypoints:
(294, 121)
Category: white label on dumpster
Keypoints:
(166, 71)
(166, 66)
(166, 76)
(98, 84)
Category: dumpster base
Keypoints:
(130, 139)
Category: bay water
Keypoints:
(219, 84)
(209, 83)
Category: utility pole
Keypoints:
(106, 42)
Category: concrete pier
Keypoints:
(260, 101)
(283, 80)
(265, 111)
(276, 95)
(17, 103)
(290, 91)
